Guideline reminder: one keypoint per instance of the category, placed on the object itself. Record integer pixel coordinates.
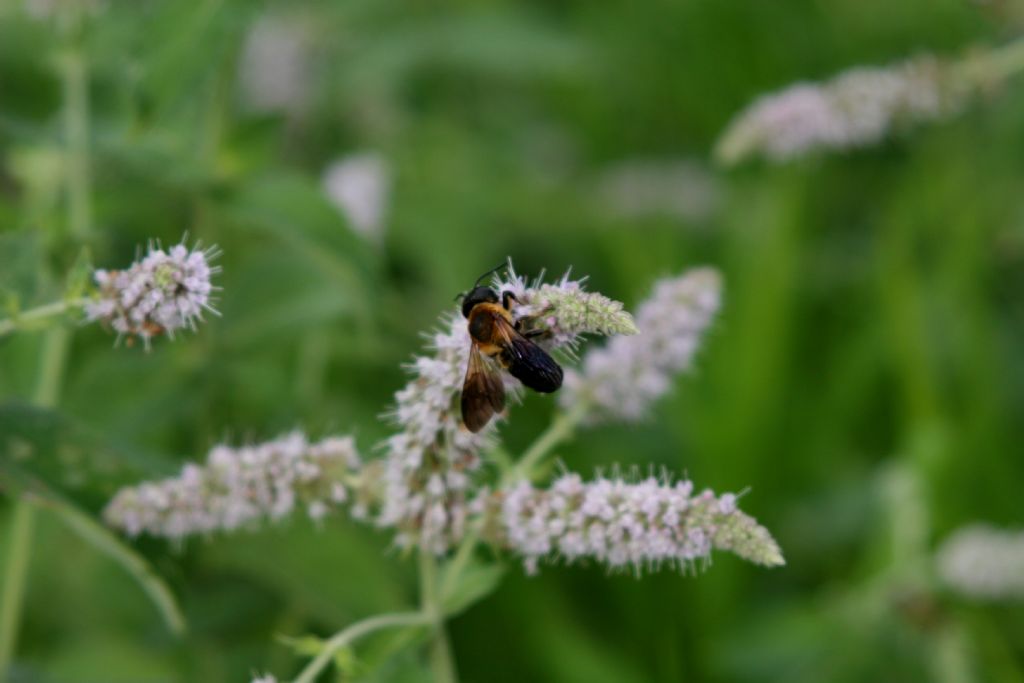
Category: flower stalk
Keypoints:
(26, 320)
(442, 665)
(19, 550)
(346, 637)
(51, 370)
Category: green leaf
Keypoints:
(475, 582)
(46, 446)
(102, 539)
(294, 209)
(59, 465)
(20, 258)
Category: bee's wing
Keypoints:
(526, 361)
(483, 393)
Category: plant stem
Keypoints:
(455, 567)
(51, 368)
(106, 542)
(75, 79)
(25, 318)
(992, 65)
(357, 630)
(560, 429)
(1006, 60)
(441, 663)
(18, 552)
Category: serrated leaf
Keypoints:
(476, 581)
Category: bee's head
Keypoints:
(478, 295)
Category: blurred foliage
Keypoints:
(873, 321)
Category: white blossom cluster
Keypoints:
(359, 185)
(240, 486)
(622, 379)
(163, 292)
(430, 461)
(621, 524)
(983, 562)
(563, 311)
(856, 108)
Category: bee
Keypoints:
(495, 334)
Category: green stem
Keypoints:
(441, 662)
(454, 568)
(1006, 60)
(51, 368)
(355, 631)
(75, 79)
(106, 542)
(25, 320)
(18, 552)
(560, 429)
(993, 65)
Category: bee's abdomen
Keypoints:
(481, 325)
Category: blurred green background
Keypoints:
(865, 380)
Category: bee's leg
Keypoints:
(506, 297)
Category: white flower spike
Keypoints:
(639, 525)
(162, 293)
(238, 487)
(621, 380)
(857, 108)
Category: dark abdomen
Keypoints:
(481, 325)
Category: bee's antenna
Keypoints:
(458, 296)
(489, 272)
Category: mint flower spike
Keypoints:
(856, 108)
(430, 461)
(238, 487)
(161, 293)
(563, 311)
(621, 380)
(983, 562)
(624, 525)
